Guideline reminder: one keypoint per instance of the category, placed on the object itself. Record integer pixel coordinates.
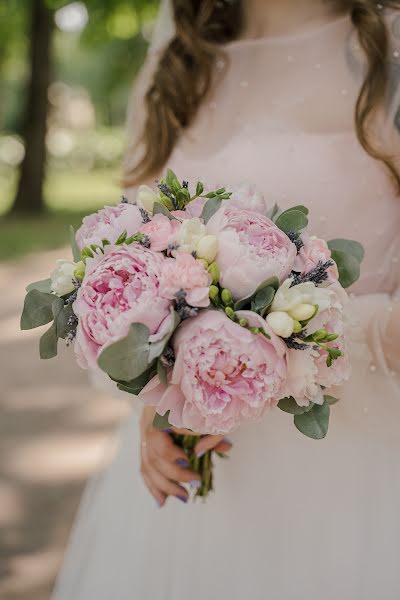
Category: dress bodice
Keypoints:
(281, 116)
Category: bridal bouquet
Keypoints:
(208, 306)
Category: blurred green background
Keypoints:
(66, 72)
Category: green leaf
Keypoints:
(127, 358)
(120, 240)
(172, 181)
(330, 399)
(48, 343)
(157, 348)
(263, 300)
(63, 328)
(301, 208)
(272, 282)
(314, 423)
(76, 253)
(210, 208)
(136, 385)
(348, 247)
(289, 405)
(348, 267)
(162, 372)
(37, 309)
(159, 208)
(161, 422)
(44, 285)
(292, 220)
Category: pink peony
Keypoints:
(301, 382)
(108, 223)
(120, 287)
(224, 375)
(187, 274)
(161, 232)
(248, 197)
(251, 249)
(314, 251)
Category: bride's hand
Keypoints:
(164, 465)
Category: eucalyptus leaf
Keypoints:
(76, 253)
(136, 385)
(48, 343)
(301, 208)
(289, 405)
(210, 208)
(172, 181)
(348, 267)
(272, 282)
(159, 208)
(162, 372)
(63, 328)
(44, 285)
(314, 423)
(292, 220)
(37, 309)
(349, 247)
(330, 399)
(157, 348)
(263, 300)
(161, 421)
(127, 358)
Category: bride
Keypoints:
(299, 97)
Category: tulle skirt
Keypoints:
(291, 518)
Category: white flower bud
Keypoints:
(281, 323)
(146, 197)
(190, 233)
(302, 312)
(207, 248)
(62, 277)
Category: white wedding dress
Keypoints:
(291, 518)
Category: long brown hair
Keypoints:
(184, 75)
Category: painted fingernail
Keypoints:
(167, 430)
(195, 484)
(182, 462)
(200, 453)
(182, 499)
(227, 441)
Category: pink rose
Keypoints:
(247, 197)
(120, 287)
(161, 232)
(108, 223)
(251, 249)
(224, 375)
(185, 273)
(314, 251)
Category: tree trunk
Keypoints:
(29, 198)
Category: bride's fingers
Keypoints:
(177, 472)
(159, 497)
(208, 442)
(224, 446)
(165, 486)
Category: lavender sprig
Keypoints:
(317, 275)
(184, 310)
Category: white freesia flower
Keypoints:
(189, 235)
(62, 277)
(287, 298)
(146, 197)
(207, 248)
(302, 312)
(281, 323)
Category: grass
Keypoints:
(70, 195)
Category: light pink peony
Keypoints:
(301, 383)
(314, 251)
(108, 223)
(119, 288)
(161, 232)
(187, 274)
(251, 249)
(247, 197)
(224, 375)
